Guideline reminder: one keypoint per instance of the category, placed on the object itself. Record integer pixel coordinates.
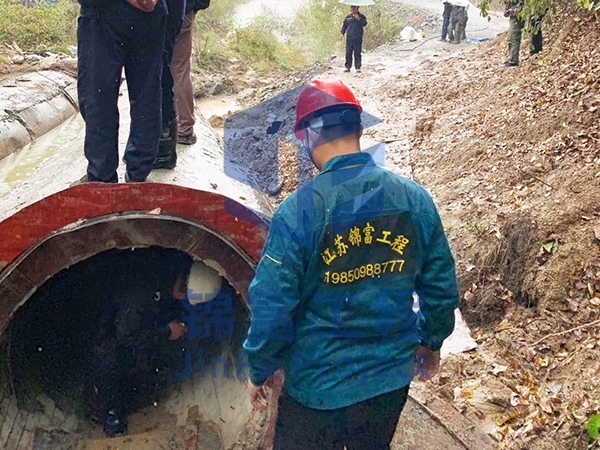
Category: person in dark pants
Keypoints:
(353, 27)
(140, 314)
(166, 157)
(112, 36)
(446, 19)
(332, 296)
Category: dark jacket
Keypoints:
(196, 5)
(118, 8)
(353, 27)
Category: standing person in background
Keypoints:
(353, 27)
(515, 26)
(446, 19)
(458, 21)
(166, 158)
(462, 17)
(113, 35)
(180, 67)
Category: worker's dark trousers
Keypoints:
(368, 425)
(109, 41)
(446, 19)
(174, 21)
(353, 46)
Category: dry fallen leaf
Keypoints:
(154, 212)
(214, 185)
(497, 368)
(502, 325)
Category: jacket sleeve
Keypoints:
(437, 288)
(344, 26)
(363, 20)
(274, 295)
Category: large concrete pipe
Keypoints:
(46, 226)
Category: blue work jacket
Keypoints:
(332, 298)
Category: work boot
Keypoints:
(187, 139)
(166, 158)
(114, 423)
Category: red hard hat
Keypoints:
(321, 94)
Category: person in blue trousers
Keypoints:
(112, 36)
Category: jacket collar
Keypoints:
(346, 161)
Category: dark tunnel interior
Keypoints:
(61, 341)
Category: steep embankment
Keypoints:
(512, 156)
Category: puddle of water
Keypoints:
(17, 166)
(217, 106)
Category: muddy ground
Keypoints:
(512, 158)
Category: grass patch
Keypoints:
(43, 26)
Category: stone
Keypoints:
(216, 89)
(33, 59)
(18, 59)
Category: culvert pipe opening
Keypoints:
(112, 345)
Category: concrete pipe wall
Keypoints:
(73, 225)
(47, 226)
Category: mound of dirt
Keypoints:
(512, 156)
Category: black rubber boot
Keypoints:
(166, 158)
(114, 424)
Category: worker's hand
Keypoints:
(258, 395)
(144, 5)
(341, 37)
(177, 330)
(427, 363)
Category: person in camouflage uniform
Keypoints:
(458, 22)
(515, 28)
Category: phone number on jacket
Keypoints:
(367, 270)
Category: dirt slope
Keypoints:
(512, 157)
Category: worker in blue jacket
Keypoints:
(112, 36)
(332, 298)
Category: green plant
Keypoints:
(258, 44)
(537, 7)
(43, 26)
(593, 426)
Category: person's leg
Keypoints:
(99, 70)
(463, 25)
(358, 54)
(535, 25)
(180, 67)
(446, 20)
(372, 423)
(349, 49)
(514, 39)
(302, 428)
(452, 25)
(107, 379)
(166, 157)
(143, 69)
